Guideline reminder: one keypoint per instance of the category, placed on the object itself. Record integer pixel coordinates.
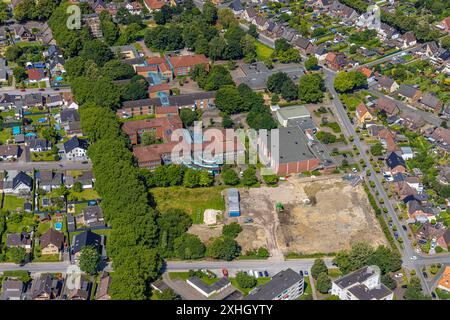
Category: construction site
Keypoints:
(304, 216)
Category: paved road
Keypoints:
(233, 266)
(46, 91)
(427, 116)
(408, 252)
(57, 165)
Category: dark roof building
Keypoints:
(84, 239)
(285, 285)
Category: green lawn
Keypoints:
(245, 291)
(263, 52)
(27, 220)
(442, 294)
(141, 117)
(5, 134)
(43, 156)
(185, 275)
(87, 194)
(11, 203)
(194, 201)
(43, 227)
(307, 290)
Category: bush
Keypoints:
(245, 281)
(323, 283)
(318, 268)
(231, 230)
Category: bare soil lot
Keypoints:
(338, 216)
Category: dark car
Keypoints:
(266, 274)
(56, 89)
(41, 89)
(300, 273)
(433, 295)
(404, 286)
(404, 228)
(425, 274)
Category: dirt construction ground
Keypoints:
(338, 216)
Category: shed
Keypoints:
(233, 203)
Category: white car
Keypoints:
(413, 258)
(399, 275)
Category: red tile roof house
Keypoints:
(182, 65)
(162, 127)
(441, 135)
(446, 24)
(153, 156)
(154, 90)
(336, 61)
(36, 75)
(444, 240)
(153, 5)
(387, 106)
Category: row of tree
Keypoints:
(176, 175)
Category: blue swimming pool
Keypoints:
(30, 134)
(16, 130)
(58, 226)
(58, 78)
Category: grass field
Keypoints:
(191, 200)
(263, 52)
(307, 290)
(86, 194)
(11, 203)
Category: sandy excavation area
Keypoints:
(337, 216)
(321, 215)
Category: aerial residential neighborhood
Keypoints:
(227, 150)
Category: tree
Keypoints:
(189, 246)
(209, 12)
(136, 89)
(282, 45)
(386, 259)
(225, 17)
(311, 63)
(231, 230)
(18, 255)
(318, 268)
(167, 294)
(20, 74)
(288, 56)
(97, 51)
(326, 137)
(225, 249)
(275, 81)
(149, 138)
(323, 283)
(445, 42)
(89, 260)
(109, 29)
(289, 90)
(228, 100)
(4, 14)
(191, 178)
(230, 177)
(348, 81)
(188, 116)
(248, 48)
(245, 280)
(218, 76)
(249, 177)
(77, 187)
(388, 281)
(227, 122)
(252, 31)
(414, 290)
(13, 52)
(205, 179)
(377, 149)
(172, 224)
(310, 88)
(117, 70)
